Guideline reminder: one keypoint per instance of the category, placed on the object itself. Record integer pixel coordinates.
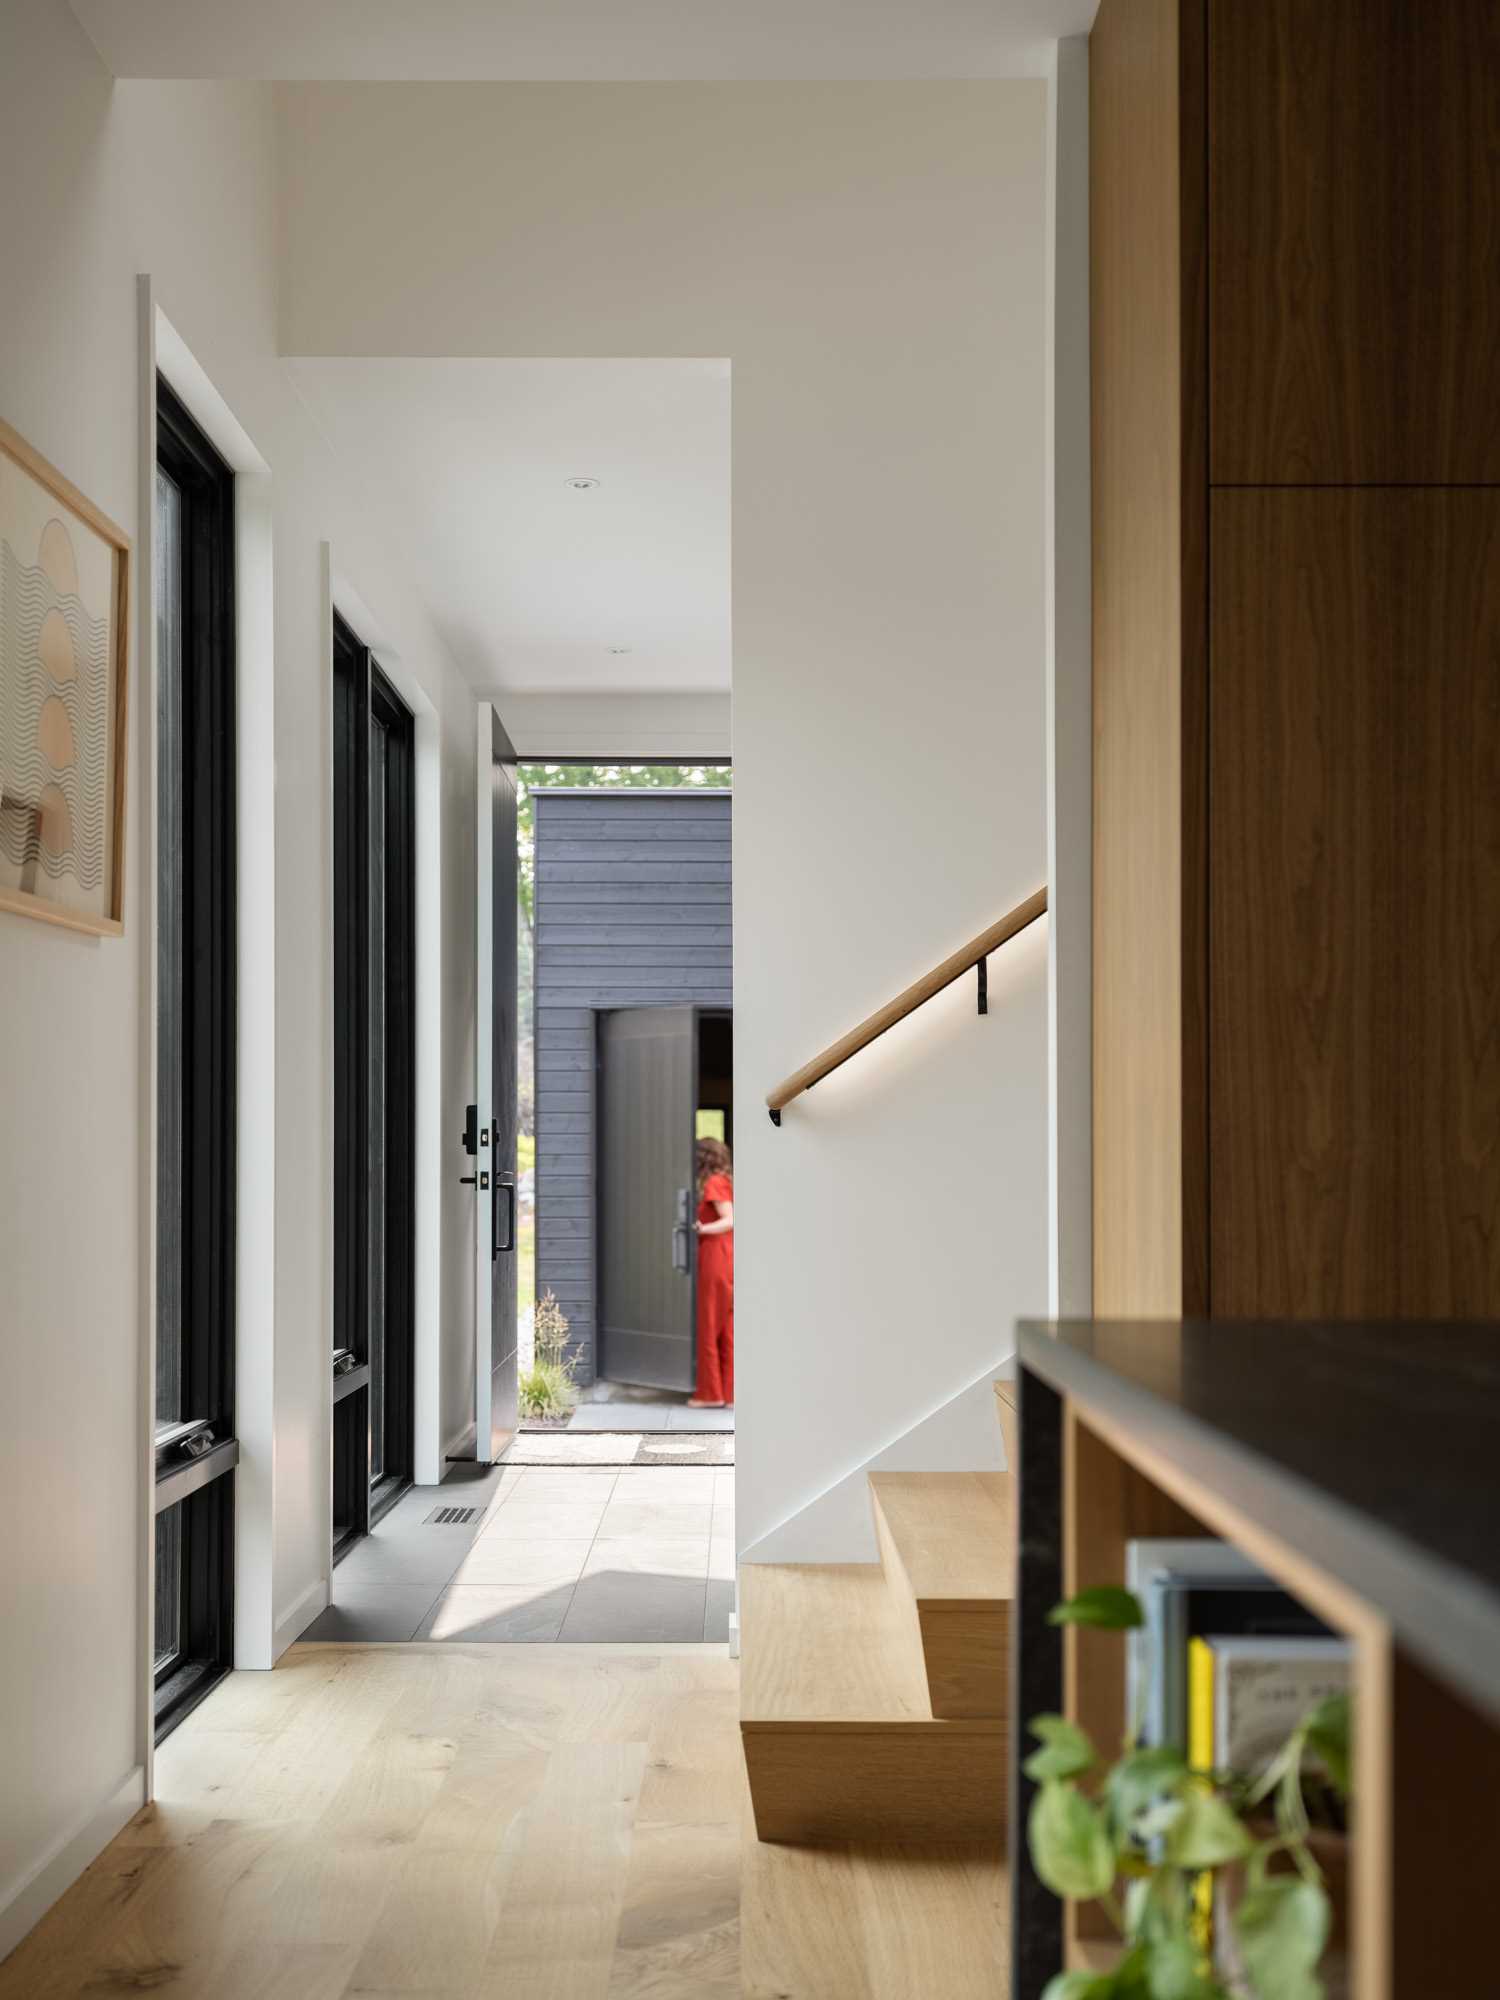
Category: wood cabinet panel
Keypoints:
(1354, 236)
(1149, 608)
(1355, 895)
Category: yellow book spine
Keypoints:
(1200, 1749)
(1200, 1746)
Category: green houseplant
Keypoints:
(1148, 1839)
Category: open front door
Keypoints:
(495, 1094)
(648, 1099)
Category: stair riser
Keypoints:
(966, 1650)
(967, 1656)
(937, 1784)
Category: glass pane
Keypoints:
(378, 1219)
(169, 951)
(168, 1586)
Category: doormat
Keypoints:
(582, 1448)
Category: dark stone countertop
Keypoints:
(1371, 1447)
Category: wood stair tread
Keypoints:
(825, 1646)
(953, 1535)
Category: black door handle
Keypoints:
(508, 1189)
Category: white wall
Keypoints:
(104, 182)
(870, 258)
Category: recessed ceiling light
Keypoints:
(582, 484)
(619, 649)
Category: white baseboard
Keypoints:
(293, 1623)
(29, 1898)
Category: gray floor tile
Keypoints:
(566, 1482)
(678, 1484)
(721, 1557)
(546, 1520)
(620, 1417)
(410, 1555)
(372, 1613)
(650, 1609)
(716, 1613)
(649, 1555)
(683, 1419)
(499, 1560)
(655, 1517)
(497, 1614)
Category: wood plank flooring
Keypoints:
(559, 1822)
(542, 1822)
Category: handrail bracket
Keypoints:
(983, 969)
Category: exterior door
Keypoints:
(495, 1094)
(648, 1098)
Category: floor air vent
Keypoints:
(451, 1517)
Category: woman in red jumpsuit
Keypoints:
(715, 1231)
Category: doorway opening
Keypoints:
(627, 1049)
(374, 1091)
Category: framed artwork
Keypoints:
(64, 640)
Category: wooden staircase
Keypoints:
(874, 1696)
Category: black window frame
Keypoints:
(364, 701)
(196, 1048)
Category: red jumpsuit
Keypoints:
(715, 1298)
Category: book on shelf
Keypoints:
(1191, 1588)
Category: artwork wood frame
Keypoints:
(64, 694)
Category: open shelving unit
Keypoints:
(1358, 1464)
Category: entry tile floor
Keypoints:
(595, 1553)
(628, 1415)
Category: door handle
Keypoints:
(508, 1189)
(681, 1236)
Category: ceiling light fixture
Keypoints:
(582, 484)
(619, 649)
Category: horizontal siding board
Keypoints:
(648, 874)
(644, 808)
(650, 930)
(620, 896)
(614, 854)
(636, 954)
(562, 979)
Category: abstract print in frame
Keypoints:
(64, 570)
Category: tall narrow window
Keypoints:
(374, 1198)
(195, 1448)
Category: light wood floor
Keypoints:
(537, 1822)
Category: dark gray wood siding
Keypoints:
(632, 910)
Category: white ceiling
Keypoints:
(577, 40)
(466, 464)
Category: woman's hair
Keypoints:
(713, 1157)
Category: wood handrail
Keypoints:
(975, 952)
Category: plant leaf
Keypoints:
(1174, 1971)
(1107, 1608)
(1070, 1847)
(1207, 1834)
(1326, 1732)
(1282, 1927)
(1066, 1751)
(1080, 1986)
(1142, 1780)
